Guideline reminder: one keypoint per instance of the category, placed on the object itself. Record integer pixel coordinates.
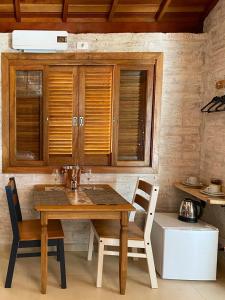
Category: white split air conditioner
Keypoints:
(39, 40)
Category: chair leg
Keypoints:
(58, 252)
(100, 263)
(151, 266)
(91, 243)
(11, 265)
(62, 263)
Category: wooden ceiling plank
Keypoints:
(89, 8)
(133, 19)
(17, 10)
(87, 20)
(137, 8)
(162, 9)
(87, 15)
(6, 7)
(37, 7)
(65, 10)
(144, 8)
(113, 9)
(182, 9)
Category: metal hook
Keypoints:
(212, 103)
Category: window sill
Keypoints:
(95, 169)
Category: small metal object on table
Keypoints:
(100, 202)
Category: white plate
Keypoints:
(219, 194)
(192, 185)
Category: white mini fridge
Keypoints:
(185, 251)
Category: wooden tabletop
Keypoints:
(98, 197)
(197, 194)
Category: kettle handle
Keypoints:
(199, 205)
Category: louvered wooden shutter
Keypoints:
(135, 103)
(96, 83)
(28, 115)
(60, 113)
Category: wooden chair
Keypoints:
(27, 233)
(107, 232)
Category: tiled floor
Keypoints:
(81, 282)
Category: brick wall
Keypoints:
(213, 125)
(180, 123)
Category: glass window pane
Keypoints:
(132, 115)
(29, 94)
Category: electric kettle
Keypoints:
(190, 210)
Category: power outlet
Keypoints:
(82, 45)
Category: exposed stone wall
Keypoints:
(180, 123)
(213, 126)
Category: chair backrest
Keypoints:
(14, 206)
(147, 199)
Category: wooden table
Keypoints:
(197, 194)
(82, 204)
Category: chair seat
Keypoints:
(30, 230)
(111, 229)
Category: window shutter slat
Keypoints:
(132, 111)
(60, 111)
(28, 106)
(98, 111)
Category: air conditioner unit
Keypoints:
(39, 40)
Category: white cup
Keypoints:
(213, 188)
(192, 180)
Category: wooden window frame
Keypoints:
(148, 121)
(12, 116)
(115, 59)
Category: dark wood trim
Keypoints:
(81, 88)
(45, 114)
(157, 112)
(113, 9)
(149, 115)
(208, 8)
(117, 57)
(17, 10)
(115, 110)
(162, 9)
(65, 10)
(103, 27)
(5, 111)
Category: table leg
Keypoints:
(44, 252)
(123, 252)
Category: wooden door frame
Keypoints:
(113, 58)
